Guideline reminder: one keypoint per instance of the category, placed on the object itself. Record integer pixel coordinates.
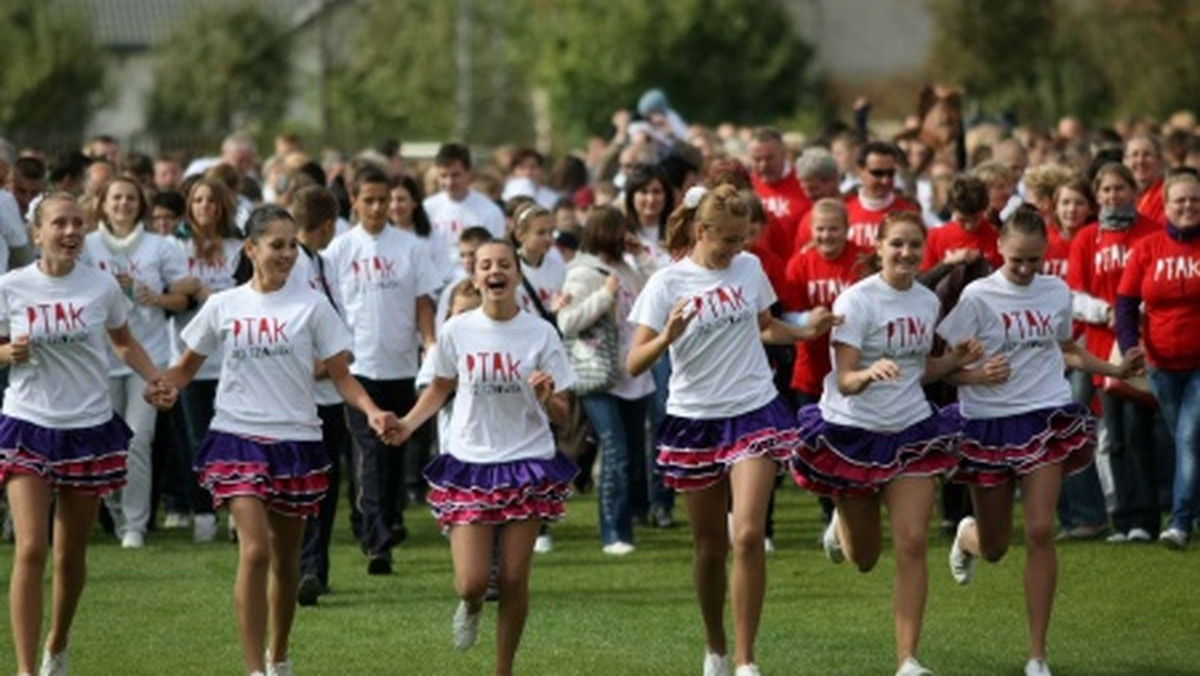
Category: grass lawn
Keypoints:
(167, 609)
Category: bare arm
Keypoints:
(425, 323)
(777, 332)
(1080, 359)
(383, 422)
(954, 359)
(649, 345)
(851, 378)
(432, 398)
(130, 351)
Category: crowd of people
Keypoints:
(905, 322)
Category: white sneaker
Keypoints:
(1173, 538)
(748, 670)
(204, 528)
(55, 665)
(133, 539)
(829, 541)
(716, 665)
(1139, 535)
(618, 548)
(962, 564)
(769, 545)
(544, 544)
(465, 626)
(1117, 538)
(283, 668)
(911, 667)
(175, 520)
(1037, 667)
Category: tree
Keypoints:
(224, 67)
(51, 72)
(718, 60)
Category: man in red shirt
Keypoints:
(820, 177)
(877, 195)
(1144, 157)
(776, 185)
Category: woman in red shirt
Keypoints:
(1098, 255)
(1163, 276)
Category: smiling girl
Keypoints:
(501, 471)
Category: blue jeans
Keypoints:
(620, 427)
(1081, 502)
(1178, 394)
(661, 497)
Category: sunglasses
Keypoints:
(882, 173)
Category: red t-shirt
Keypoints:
(772, 265)
(803, 232)
(1151, 205)
(815, 281)
(953, 235)
(1095, 265)
(785, 201)
(864, 223)
(1165, 274)
(1058, 251)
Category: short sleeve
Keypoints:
(856, 323)
(330, 335)
(962, 322)
(554, 361)
(116, 304)
(5, 326)
(445, 364)
(202, 335)
(12, 228)
(653, 304)
(764, 292)
(173, 262)
(428, 277)
(1065, 327)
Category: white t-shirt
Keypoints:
(718, 366)
(883, 322)
(546, 279)
(268, 343)
(306, 274)
(381, 276)
(65, 384)
(153, 261)
(1026, 325)
(216, 275)
(450, 218)
(496, 416)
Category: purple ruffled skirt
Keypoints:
(86, 459)
(289, 476)
(695, 454)
(844, 461)
(494, 493)
(997, 450)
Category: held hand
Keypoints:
(612, 283)
(20, 349)
(883, 370)
(125, 281)
(142, 295)
(559, 301)
(390, 429)
(996, 370)
(680, 317)
(543, 386)
(203, 293)
(821, 320)
(160, 394)
(968, 351)
(1133, 364)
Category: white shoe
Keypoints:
(748, 670)
(1139, 535)
(55, 665)
(716, 665)
(465, 626)
(1173, 538)
(283, 668)
(544, 544)
(133, 539)
(962, 564)
(174, 520)
(1117, 538)
(829, 541)
(618, 548)
(1037, 667)
(912, 667)
(204, 528)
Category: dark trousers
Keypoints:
(314, 556)
(378, 468)
(1132, 451)
(197, 400)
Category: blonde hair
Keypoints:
(993, 173)
(1044, 181)
(715, 207)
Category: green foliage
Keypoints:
(1042, 59)
(51, 72)
(400, 79)
(718, 60)
(225, 66)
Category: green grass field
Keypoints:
(167, 609)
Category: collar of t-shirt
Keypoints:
(1182, 234)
